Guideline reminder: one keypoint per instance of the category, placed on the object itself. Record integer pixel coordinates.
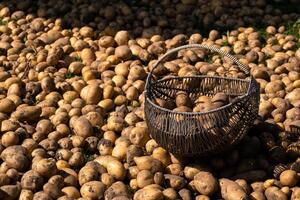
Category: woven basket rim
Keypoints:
(239, 98)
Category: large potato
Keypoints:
(31, 180)
(230, 190)
(205, 183)
(27, 113)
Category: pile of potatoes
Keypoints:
(183, 102)
(72, 78)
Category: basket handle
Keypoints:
(201, 46)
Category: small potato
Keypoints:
(151, 145)
(107, 179)
(174, 169)
(175, 182)
(191, 170)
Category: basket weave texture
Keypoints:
(201, 133)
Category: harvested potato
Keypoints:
(289, 178)
(92, 190)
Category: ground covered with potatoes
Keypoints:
(72, 77)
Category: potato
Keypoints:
(27, 113)
(26, 195)
(148, 194)
(148, 163)
(231, 190)
(139, 136)
(107, 179)
(151, 145)
(92, 190)
(117, 189)
(122, 37)
(191, 170)
(123, 52)
(87, 174)
(77, 159)
(15, 157)
(12, 191)
(162, 155)
(182, 99)
(82, 127)
(52, 190)
(115, 123)
(205, 183)
(9, 139)
(144, 178)
(274, 193)
(257, 195)
(31, 180)
(295, 194)
(116, 169)
(170, 194)
(41, 196)
(4, 179)
(91, 94)
(46, 167)
(133, 151)
(176, 182)
(7, 105)
(71, 192)
(289, 178)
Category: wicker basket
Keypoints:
(201, 133)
